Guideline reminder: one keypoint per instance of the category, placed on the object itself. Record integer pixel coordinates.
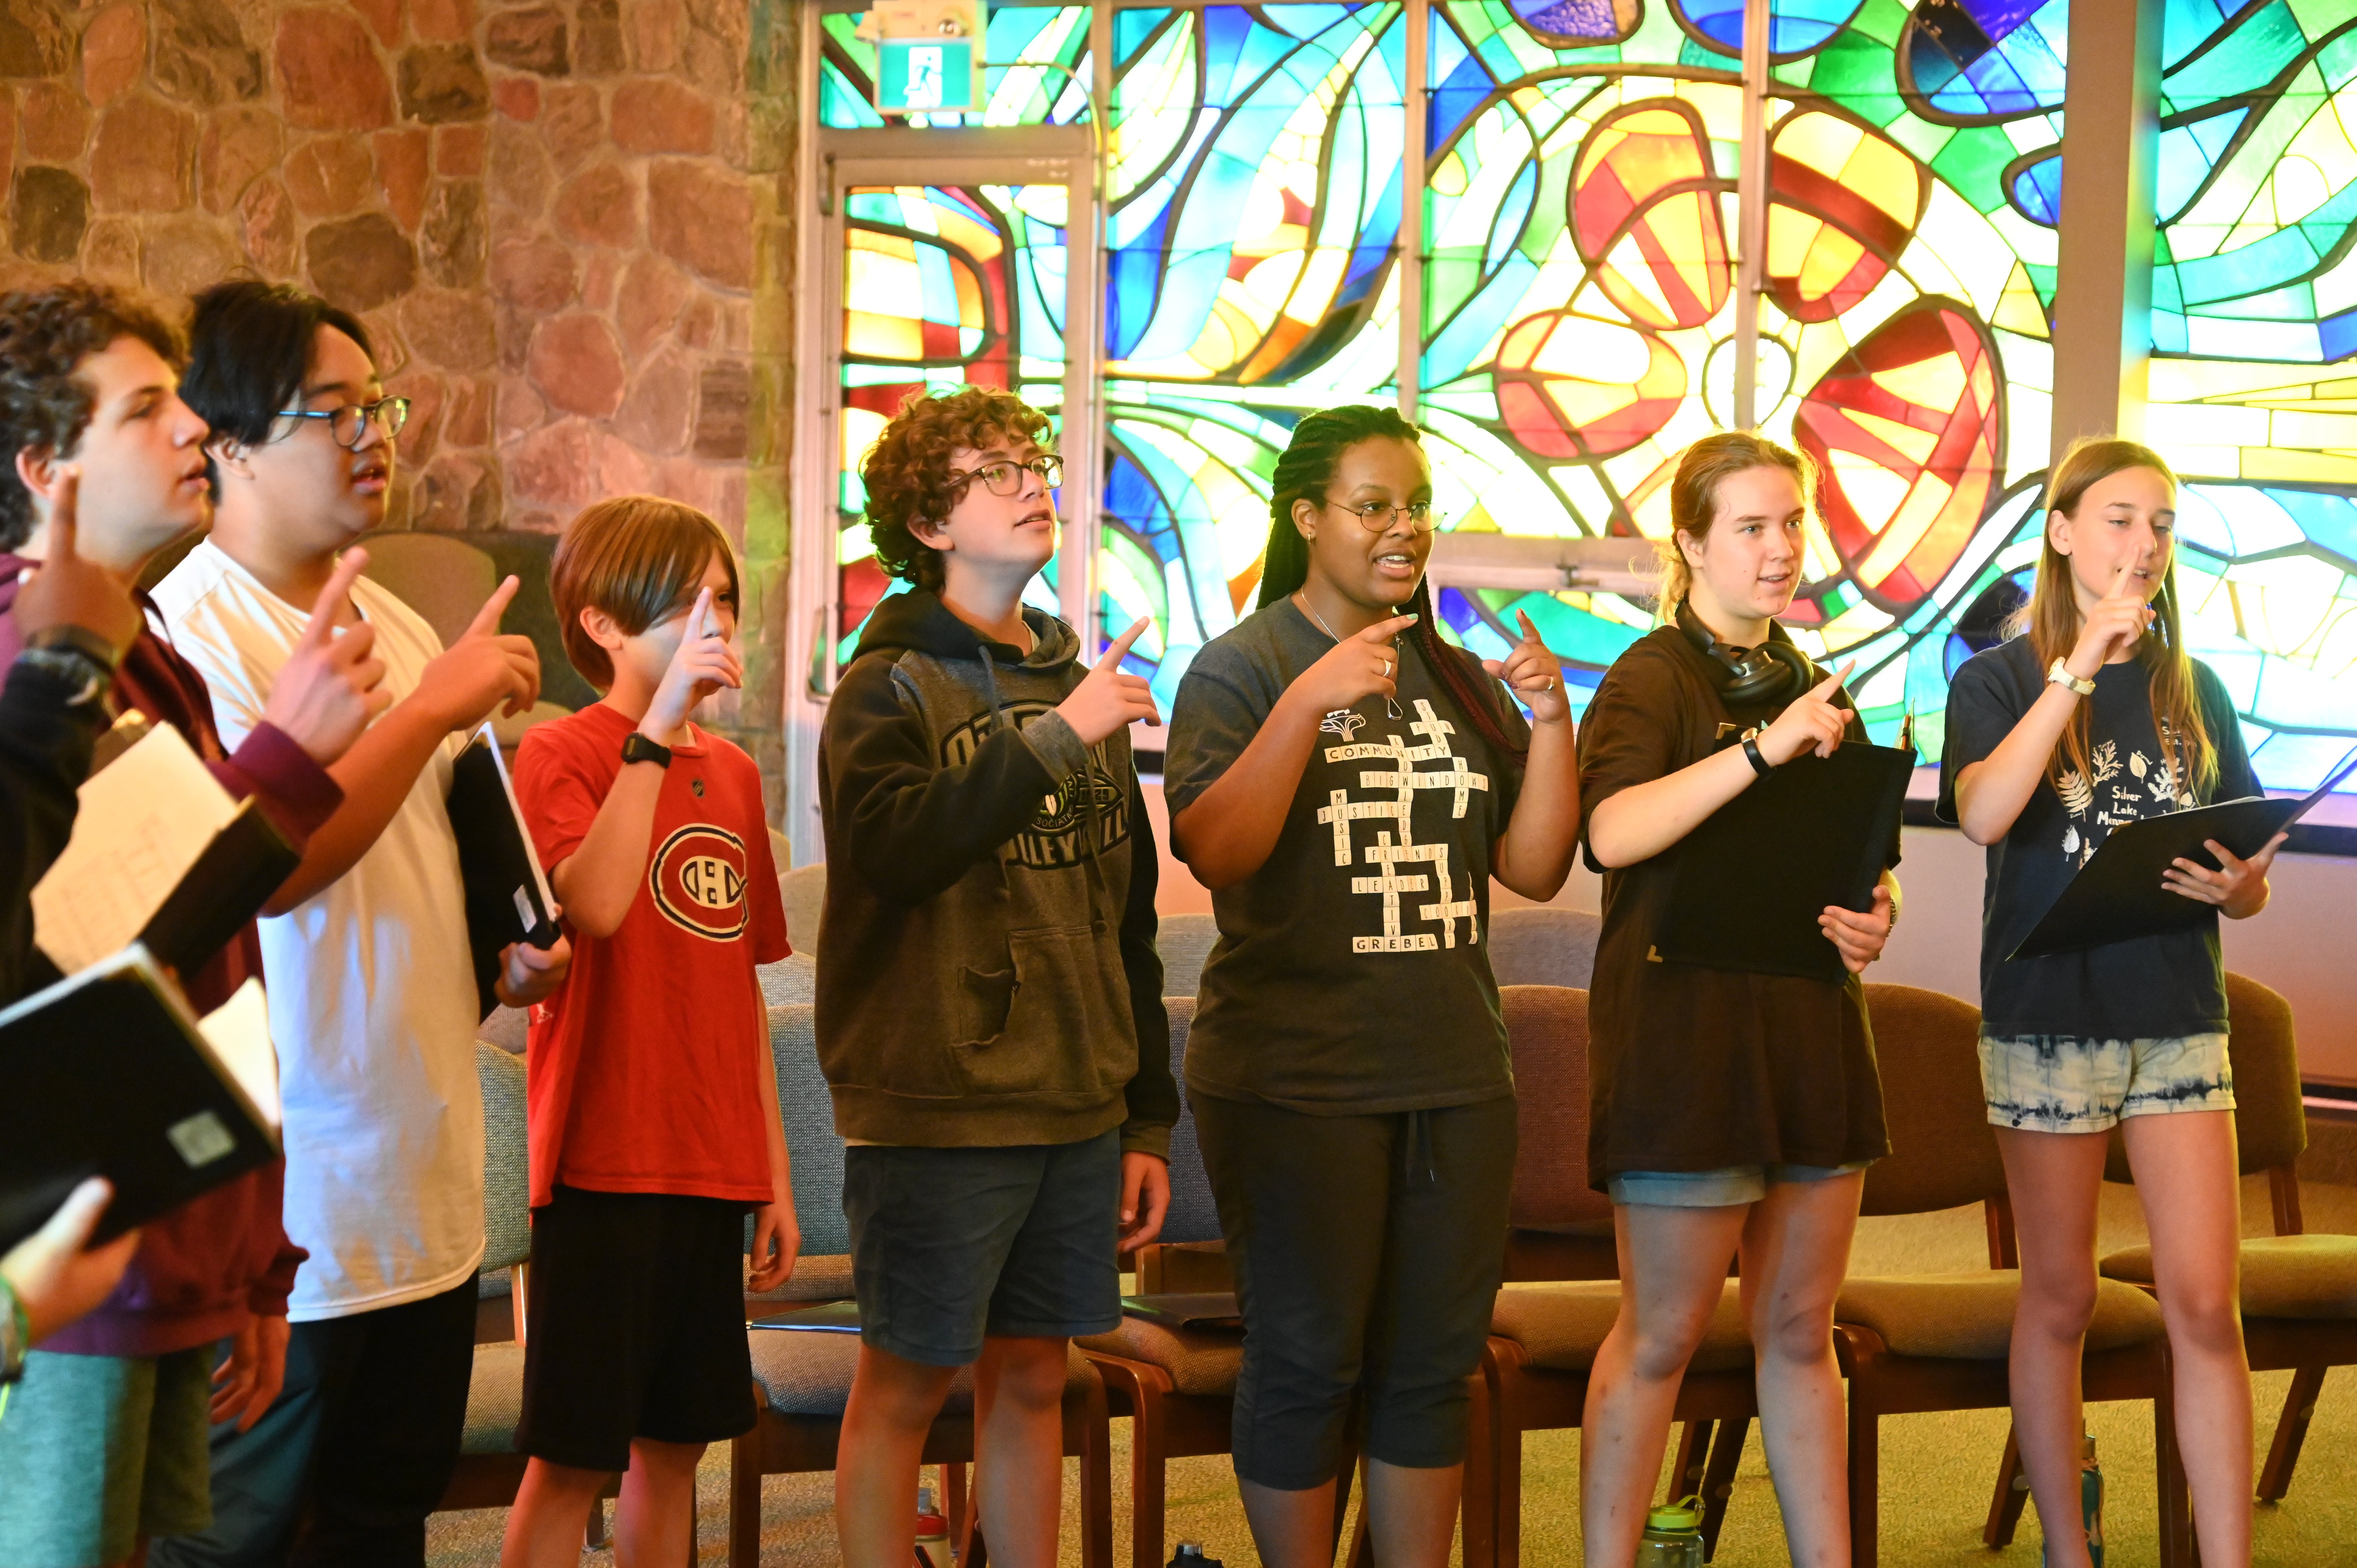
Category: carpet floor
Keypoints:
(1936, 1470)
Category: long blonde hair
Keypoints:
(2052, 622)
(1693, 498)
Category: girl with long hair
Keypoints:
(2091, 716)
(1731, 1113)
(1347, 783)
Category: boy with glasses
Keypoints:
(990, 1010)
(373, 998)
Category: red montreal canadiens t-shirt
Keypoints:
(641, 1068)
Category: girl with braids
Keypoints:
(2097, 715)
(1347, 784)
(1729, 1112)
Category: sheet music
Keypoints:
(141, 824)
(239, 1032)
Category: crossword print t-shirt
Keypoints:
(1352, 972)
(2153, 987)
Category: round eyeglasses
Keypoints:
(348, 425)
(1005, 478)
(1377, 517)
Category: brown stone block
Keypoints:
(699, 323)
(236, 145)
(34, 39)
(535, 274)
(55, 123)
(714, 62)
(144, 157)
(266, 228)
(330, 176)
(571, 122)
(518, 171)
(114, 48)
(469, 421)
(597, 48)
(556, 464)
(456, 493)
(622, 468)
(329, 77)
(422, 435)
(651, 30)
(200, 54)
(453, 328)
(401, 163)
(459, 150)
(361, 262)
(184, 253)
(686, 480)
(454, 237)
(600, 207)
(109, 252)
(442, 21)
(661, 115)
(7, 129)
(577, 363)
(702, 217)
(519, 408)
(443, 82)
(598, 278)
(384, 17)
(661, 408)
(651, 294)
(534, 40)
(724, 398)
(516, 97)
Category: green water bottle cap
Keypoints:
(1683, 1515)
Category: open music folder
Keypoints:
(2118, 895)
(110, 1073)
(1753, 878)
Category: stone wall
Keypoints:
(565, 222)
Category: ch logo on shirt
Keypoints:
(698, 881)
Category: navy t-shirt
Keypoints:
(2151, 987)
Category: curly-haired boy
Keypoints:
(989, 1001)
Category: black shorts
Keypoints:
(950, 1245)
(636, 1323)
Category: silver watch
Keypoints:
(2059, 674)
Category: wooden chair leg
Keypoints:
(1865, 1479)
(1718, 1478)
(2175, 1504)
(1477, 1506)
(2291, 1431)
(1686, 1469)
(1096, 1480)
(953, 1500)
(2012, 1495)
(745, 1500)
(1507, 1419)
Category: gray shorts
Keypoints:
(96, 1451)
(950, 1245)
(1728, 1186)
(2065, 1083)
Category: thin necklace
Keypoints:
(1391, 703)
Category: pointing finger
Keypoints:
(1119, 648)
(1530, 631)
(328, 608)
(1384, 630)
(65, 512)
(1832, 682)
(487, 619)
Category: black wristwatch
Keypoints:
(637, 748)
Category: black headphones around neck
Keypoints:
(1775, 671)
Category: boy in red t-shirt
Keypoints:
(653, 1105)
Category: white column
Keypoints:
(1751, 214)
(1418, 22)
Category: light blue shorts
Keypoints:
(1728, 1186)
(2067, 1083)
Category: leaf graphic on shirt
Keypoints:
(2107, 761)
(2070, 840)
(2137, 765)
(2076, 792)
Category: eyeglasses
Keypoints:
(1005, 478)
(348, 424)
(1377, 517)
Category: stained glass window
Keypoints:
(1578, 305)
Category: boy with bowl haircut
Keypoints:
(654, 1102)
(990, 1016)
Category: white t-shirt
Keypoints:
(371, 989)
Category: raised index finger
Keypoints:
(1118, 650)
(328, 609)
(1832, 682)
(1384, 630)
(65, 512)
(487, 619)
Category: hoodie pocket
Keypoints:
(1055, 1021)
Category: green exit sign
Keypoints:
(927, 76)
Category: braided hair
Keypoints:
(1303, 472)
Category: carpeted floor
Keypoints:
(1936, 1470)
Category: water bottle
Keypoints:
(1672, 1537)
(1190, 1555)
(2091, 1502)
(932, 1533)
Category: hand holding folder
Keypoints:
(508, 896)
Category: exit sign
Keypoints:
(927, 76)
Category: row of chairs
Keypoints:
(1905, 1344)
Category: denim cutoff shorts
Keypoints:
(2068, 1083)
(1726, 1187)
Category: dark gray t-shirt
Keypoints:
(2153, 987)
(1351, 976)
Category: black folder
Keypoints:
(508, 897)
(1202, 1311)
(1753, 879)
(107, 1075)
(827, 1318)
(2118, 895)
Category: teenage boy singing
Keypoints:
(990, 1012)
(373, 999)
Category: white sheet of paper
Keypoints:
(143, 822)
(239, 1032)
